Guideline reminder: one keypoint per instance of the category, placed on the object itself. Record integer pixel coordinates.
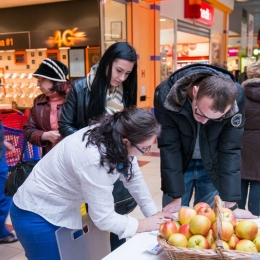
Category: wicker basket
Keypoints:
(183, 253)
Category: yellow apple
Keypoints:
(224, 243)
(198, 242)
(246, 229)
(246, 246)
(210, 238)
(200, 225)
(167, 228)
(185, 215)
(178, 240)
(233, 241)
(207, 212)
(227, 230)
(257, 243)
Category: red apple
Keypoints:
(178, 224)
(185, 215)
(226, 216)
(200, 225)
(167, 228)
(227, 230)
(178, 240)
(198, 242)
(201, 204)
(257, 243)
(246, 246)
(224, 243)
(226, 210)
(207, 212)
(185, 230)
(233, 241)
(246, 229)
(210, 238)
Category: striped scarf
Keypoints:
(113, 99)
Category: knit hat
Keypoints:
(53, 70)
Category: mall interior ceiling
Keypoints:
(251, 6)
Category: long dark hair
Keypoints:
(101, 82)
(135, 124)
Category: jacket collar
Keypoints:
(178, 93)
(42, 99)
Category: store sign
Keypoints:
(206, 13)
(14, 41)
(71, 37)
(232, 52)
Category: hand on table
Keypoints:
(241, 213)
(154, 222)
(173, 207)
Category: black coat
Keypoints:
(220, 142)
(74, 114)
(1, 141)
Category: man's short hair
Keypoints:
(222, 90)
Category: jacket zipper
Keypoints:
(122, 201)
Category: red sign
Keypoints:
(206, 13)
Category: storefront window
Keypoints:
(166, 48)
(114, 22)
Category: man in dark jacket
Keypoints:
(200, 108)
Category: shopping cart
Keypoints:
(13, 118)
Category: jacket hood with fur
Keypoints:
(183, 78)
(252, 88)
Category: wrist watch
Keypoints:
(234, 207)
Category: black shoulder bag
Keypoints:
(18, 174)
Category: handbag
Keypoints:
(18, 174)
(123, 200)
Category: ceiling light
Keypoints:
(162, 20)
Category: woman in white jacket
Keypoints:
(83, 168)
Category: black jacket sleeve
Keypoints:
(68, 118)
(229, 154)
(1, 141)
(169, 145)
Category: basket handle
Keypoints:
(218, 212)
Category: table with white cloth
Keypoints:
(135, 248)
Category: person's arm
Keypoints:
(38, 137)
(68, 118)
(229, 154)
(169, 144)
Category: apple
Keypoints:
(185, 230)
(207, 212)
(178, 240)
(200, 225)
(224, 243)
(258, 234)
(186, 214)
(226, 216)
(256, 241)
(233, 241)
(227, 230)
(246, 229)
(210, 238)
(178, 224)
(167, 228)
(246, 246)
(201, 204)
(198, 242)
(226, 210)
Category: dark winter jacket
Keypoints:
(74, 114)
(250, 167)
(220, 142)
(39, 120)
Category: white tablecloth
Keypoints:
(135, 248)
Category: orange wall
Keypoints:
(144, 35)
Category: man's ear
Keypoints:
(194, 91)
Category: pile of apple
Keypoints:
(197, 228)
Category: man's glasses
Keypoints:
(202, 115)
(143, 150)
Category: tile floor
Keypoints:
(150, 166)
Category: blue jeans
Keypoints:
(253, 187)
(197, 179)
(4, 206)
(36, 235)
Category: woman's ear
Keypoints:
(126, 141)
